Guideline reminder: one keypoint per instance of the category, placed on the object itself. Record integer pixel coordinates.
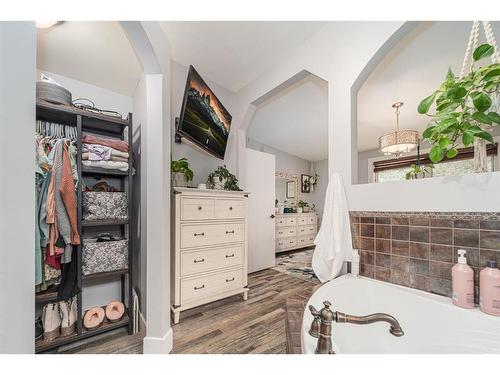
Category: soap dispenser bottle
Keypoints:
(489, 289)
(462, 280)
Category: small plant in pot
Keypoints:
(419, 171)
(181, 173)
(302, 206)
(222, 179)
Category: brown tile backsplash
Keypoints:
(419, 234)
(418, 249)
(382, 231)
(400, 232)
(442, 236)
(466, 237)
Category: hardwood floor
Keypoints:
(236, 326)
(227, 326)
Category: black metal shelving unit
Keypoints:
(88, 122)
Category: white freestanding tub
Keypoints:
(431, 323)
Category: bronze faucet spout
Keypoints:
(395, 329)
(321, 326)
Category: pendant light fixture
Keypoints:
(399, 141)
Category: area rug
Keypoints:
(297, 264)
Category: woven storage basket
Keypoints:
(53, 93)
(104, 205)
(104, 256)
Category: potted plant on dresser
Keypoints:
(222, 179)
(181, 173)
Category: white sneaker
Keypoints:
(51, 321)
(68, 316)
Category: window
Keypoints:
(395, 169)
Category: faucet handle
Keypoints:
(327, 304)
(316, 323)
(313, 311)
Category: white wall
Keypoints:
(17, 187)
(201, 162)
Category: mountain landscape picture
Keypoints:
(204, 119)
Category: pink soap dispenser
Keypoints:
(489, 289)
(462, 280)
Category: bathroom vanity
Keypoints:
(295, 231)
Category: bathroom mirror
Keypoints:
(286, 188)
(389, 98)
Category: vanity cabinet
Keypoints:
(209, 247)
(295, 231)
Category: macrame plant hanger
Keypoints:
(480, 155)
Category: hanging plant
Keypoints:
(463, 108)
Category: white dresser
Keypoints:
(209, 247)
(295, 231)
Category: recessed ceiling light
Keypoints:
(47, 24)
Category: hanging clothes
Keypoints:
(56, 210)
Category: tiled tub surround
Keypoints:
(418, 249)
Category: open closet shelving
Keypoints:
(98, 124)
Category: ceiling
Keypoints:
(295, 120)
(409, 73)
(96, 52)
(233, 54)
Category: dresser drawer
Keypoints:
(280, 221)
(306, 229)
(281, 244)
(197, 208)
(211, 259)
(229, 208)
(211, 285)
(285, 232)
(290, 242)
(291, 221)
(311, 219)
(302, 220)
(196, 235)
(305, 240)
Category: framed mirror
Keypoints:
(287, 188)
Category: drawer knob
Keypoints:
(230, 208)
(199, 287)
(230, 256)
(229, 280)
(230, 231)
(199, 261)
(199, 234)
(199, 208)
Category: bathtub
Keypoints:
(431, 323)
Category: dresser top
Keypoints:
(197, 191)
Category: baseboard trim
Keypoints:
(158, 345)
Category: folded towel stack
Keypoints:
(105, 153)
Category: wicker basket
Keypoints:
(53, 93)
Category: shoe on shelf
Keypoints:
(68, 316)
(114, 311)
(93, 318)
(51, 321)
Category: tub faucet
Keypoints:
(321, 326)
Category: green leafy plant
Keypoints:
(415, 170)
(182, 166)
(462, 108)
(302, 204)
(221, 174)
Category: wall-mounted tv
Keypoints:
(204, 120)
